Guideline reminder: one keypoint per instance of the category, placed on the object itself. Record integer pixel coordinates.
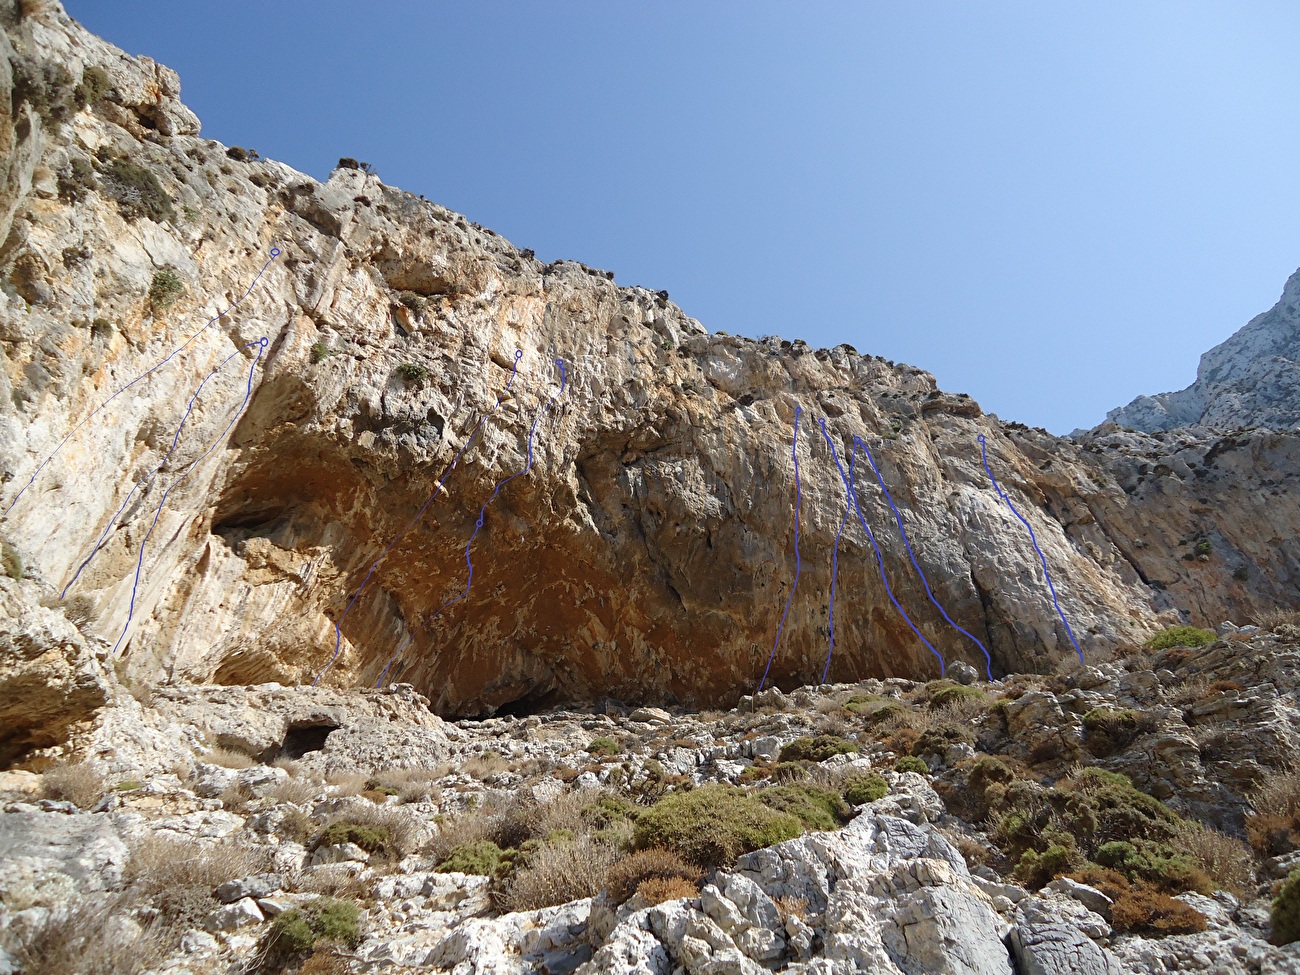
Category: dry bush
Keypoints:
(1280, 618)
(972, 850)
(332, 880)
(75, 782)
(1226, 860)
(557, 873)
(790, 906)
(405, 832)
(1189, 691)
(228, 758)
(1143, 910)
(325, 959)
(412, 784)
(462, 829)
(86, 937)
(236, 797)
(177, 877)
(657, 890)
(833, 777)
(627, 874)
(900, 742)
(80, 611)
(1139, 908)
(954, 716)
(1277, 792)
(484, 765)
(290, 765)
(835, 723)
(295, 791)
(347, 783)
(1275, 828)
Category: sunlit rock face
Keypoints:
(645, 550)
(1252, 379)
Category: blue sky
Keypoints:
(1053, 207)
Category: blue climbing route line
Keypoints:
(144, 483)
(1005, 497)
(835, 570)
(338, 632)
(988, 661)
(275, 252)
(248, 392)
(880, 559)
(478, 526)
(798, 564)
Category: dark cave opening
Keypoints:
(302, 739)
(523, 707)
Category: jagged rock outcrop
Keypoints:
(646, 553)
(1252, 379)
(51, 680)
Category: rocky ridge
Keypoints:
(916, 878)
(647, 553)
(1252, 379)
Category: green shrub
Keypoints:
(936, 741)
(603, 746)
(606, 811)
(1106, 730)
(481, 857)
(865, 787)
(952, 693)
(320, 352)
(987, 771)
(372, 839)
(46, 86)
(1038, 869)
(816, 749)
(1092, 811)
(1203, 547)
(1285, 914)
(1180, 636)
(1241, 573)
(95, 87)
(864, 703)
(412, 372)
(165, 288)
(137, 191)
(416, 302)
(77, 180)
(1116, 853)
(712, 825)
(1156, 863)
(910, 763)
(787, 772)
(817, 808)
(1110, 720)
(294, 933)
(11, 561)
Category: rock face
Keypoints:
(50, 679)
(1250, 380)
(637, 505)
(882, 895)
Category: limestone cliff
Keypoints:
(1252, 379)
(647, 552)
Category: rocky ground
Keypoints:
(1093, 821)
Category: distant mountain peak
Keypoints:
(1252, 379)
